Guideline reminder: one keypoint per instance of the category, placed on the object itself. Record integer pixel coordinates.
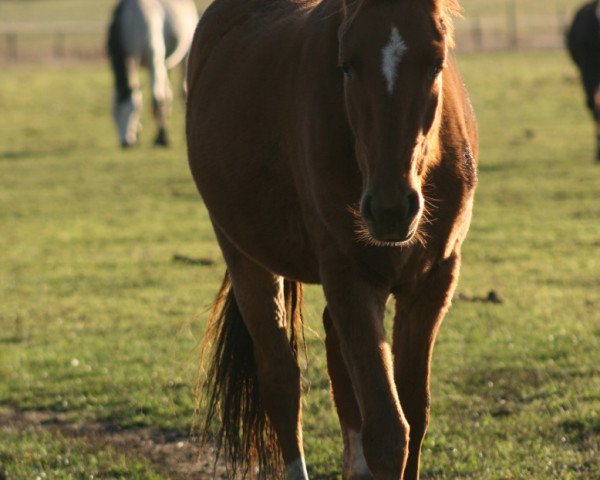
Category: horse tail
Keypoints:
(230, 393)
(188, 15)
(178, 55)
(118, 56)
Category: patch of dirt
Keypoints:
(172, 454)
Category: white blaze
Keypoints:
(296, 470)
(356, 462)
(391, 56)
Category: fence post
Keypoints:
(511, 24)
(562, 21)
(59, 45)
(11, 45)
(476, 33)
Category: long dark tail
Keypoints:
(117, 56)
(231, 396)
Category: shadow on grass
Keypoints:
(172, 453)
(581, 431)
(11, 340)
(18, 155)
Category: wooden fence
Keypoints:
(86, 41)
(512, 31)
(30, 42)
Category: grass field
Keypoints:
(108, 266)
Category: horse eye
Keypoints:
(436, 69)
(347, 69)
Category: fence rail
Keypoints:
(30, 42)
(512, 32)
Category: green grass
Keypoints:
(99, 322)
(35, 455)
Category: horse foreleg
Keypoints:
(357, 310)
(162, 97)
(354, 463)
(260, 297)
(417, 321)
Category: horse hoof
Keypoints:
(161, 139)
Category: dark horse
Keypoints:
(332, 142)
(583, 42)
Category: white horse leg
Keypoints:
(134, 125)
(127, 105)
(162, 94)
(159, 79)
(296, 470)
(354, 462)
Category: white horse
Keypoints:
(155, 34)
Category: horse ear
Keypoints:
(451, 8)
(448, 9)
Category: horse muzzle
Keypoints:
(392, 222)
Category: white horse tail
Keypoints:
(183, 16)
(177, 56)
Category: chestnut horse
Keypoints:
(332, 142)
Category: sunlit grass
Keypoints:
(99, 320)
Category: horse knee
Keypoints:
(416, 410)
(417, 434)
(280, 392)
(418, 425)
(385, 446)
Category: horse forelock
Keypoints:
(447, 10)
(351, 9)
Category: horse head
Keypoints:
(393, 54)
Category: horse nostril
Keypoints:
(412, 204)
(366, 208)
